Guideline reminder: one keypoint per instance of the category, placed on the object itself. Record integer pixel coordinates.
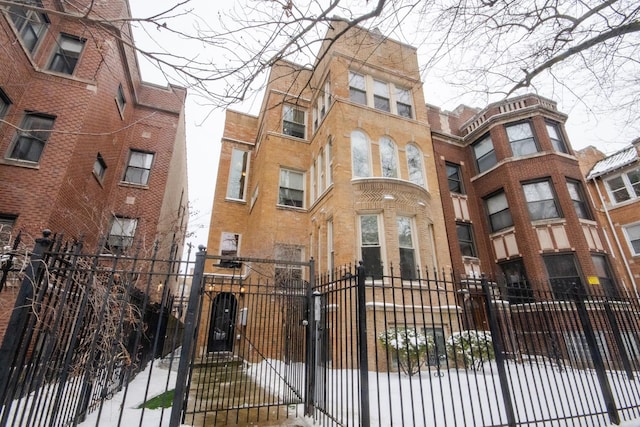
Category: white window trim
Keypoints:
(628, 238)
(368, 148)
(246, 176)
(395, 153)
(627, 186)
(304, 122)
(414, 239)
(422, 168)
(369, 83)
(381, 238)
(304, 189)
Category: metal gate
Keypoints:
(244, 353)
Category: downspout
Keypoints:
(615, 236)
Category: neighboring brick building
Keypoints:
(614, 185)
(86, 147)
(517, 209)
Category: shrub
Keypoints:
(470, 348)
(409, 346)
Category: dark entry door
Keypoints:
(222, 325)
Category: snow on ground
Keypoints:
(396, 385)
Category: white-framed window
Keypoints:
(415, 165)
(329, 161)
(7, 222)
(357, 88)
(484, 153)
(291, 192)
(66, 55)
(371, 244)
(388, 158)
(30, 140)
(294, 121)
(321, 172)
(408, 265)
(360, 155)
(121, 234)
(541, 200)
(30, 25)
(625, 186)
(322, 104)
(555, 135)
(238, 169)
(632, 234)
(138, 167)
(521, 139)
(330, 250)
(381, 96)
(404, 106)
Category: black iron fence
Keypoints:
(436, 351)
(79, 327)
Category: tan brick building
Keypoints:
(612, 182)
(86, 147)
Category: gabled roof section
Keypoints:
(615, 161)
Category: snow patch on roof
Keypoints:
(615, 161)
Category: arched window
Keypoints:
(360, 159)
(415, 165)
(388, 158)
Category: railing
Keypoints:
(549, 355)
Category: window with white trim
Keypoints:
(229, 247)
(7, 222)
(289, 275)
(408, 269)
(465, 239)
(415, 165)
(238, 170)
(330, 250)
(388, 158)
(623, 187)
(294, 121)
(321, 172)
(357, 88)
(360, 155)
(404, 106)
(291, 192)
(329, 162)
(632, 234)
(381, 96)
(371, 245)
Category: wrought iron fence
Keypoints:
(81, 326)
(436, 351)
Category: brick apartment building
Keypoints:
(346, 162)
(612, 182)
(86, 147)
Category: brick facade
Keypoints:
(59, 189)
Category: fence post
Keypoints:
(363, 356)
(19, 317)
(311, 337)
(598, 364)
(498, 349)
(189, 338)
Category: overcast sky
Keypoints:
(205, 124)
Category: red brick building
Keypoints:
(614, 185)
(86, 147)
(517, 209)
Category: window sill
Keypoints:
(133, 185)
(232, 200)
(291, 208)
(20, 163)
